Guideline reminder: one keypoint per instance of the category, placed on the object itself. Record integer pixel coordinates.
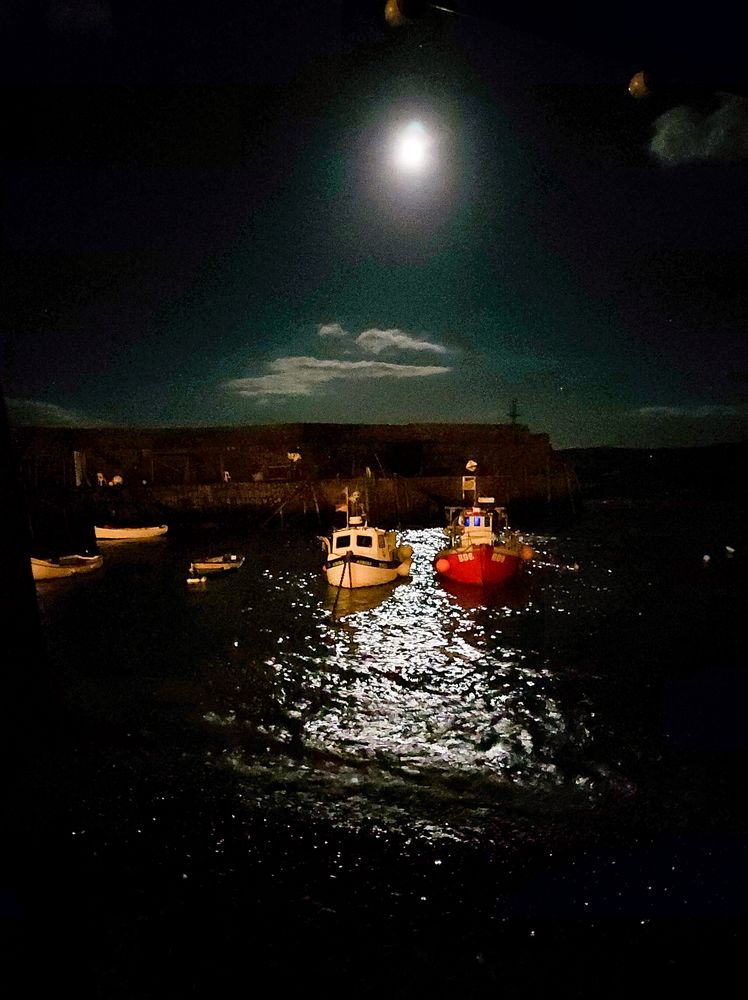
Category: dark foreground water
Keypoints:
(257, 787)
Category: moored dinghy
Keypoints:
(64, 566)
(482, 549)
(114, 533)
(227, 562)
(361, 555)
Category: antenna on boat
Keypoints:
(469, 484)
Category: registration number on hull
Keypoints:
(498, 557)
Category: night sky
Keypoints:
(204, 222)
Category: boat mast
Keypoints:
(470, 485)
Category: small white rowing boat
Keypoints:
(64, 566)
(225, 563)
(108, 532)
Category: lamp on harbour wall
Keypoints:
(469, 485)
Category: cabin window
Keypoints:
(343, 542)
(363, 541)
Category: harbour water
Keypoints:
(414, 791)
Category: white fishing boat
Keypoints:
(361, 555)
(113, 533)
(227, 562)
(64, 566)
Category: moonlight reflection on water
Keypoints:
(257, 751)
(408, 706)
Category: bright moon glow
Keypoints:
(411, 149)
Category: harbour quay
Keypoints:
(408, 472)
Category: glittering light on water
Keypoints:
(404, 683)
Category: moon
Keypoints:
(412, 148)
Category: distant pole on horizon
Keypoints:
(513, 413)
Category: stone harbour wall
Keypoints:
(406, 473)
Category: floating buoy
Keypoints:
(442, 565)
(706, 558)
(527, 553)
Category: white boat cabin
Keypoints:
(361, 540)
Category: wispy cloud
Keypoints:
(301, 376)
(686, 412)
(374, 341)
(331, 330)
(686, 135)
(33, 413)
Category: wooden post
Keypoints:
(316, 504)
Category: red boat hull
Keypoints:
(482, 565)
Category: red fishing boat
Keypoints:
(481, 547)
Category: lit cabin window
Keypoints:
(342, 541)
(364, 541)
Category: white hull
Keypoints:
(350, 573)
(65, 566)
(107, 533)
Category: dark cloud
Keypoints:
(34, 413)
(685, 134)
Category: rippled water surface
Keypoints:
(434, 769)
